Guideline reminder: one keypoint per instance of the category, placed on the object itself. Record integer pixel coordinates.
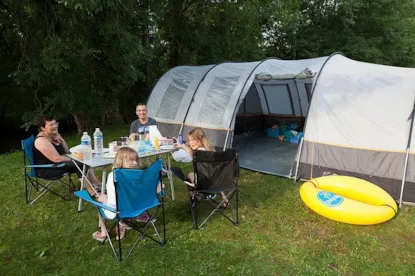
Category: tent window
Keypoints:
(172, 98)
(278, 99)
(216, 101)
(308, 87)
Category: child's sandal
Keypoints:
(226, 204)
(122, 233)
(98, 236)
(95, 196)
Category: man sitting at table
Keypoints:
(141, 125)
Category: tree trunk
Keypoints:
(79, 121)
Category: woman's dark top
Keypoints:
(40, 159)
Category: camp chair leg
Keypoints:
(237, 206)
(28, 188)
(70, 184)
(234, 214)
(116, 225)
(33, 183)
(143, 233)
(193, 203)
(30, 185)
(233, 218)
(164, 224)
(45, 188)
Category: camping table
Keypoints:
(97, 162)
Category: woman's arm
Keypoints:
(48, 150)
(58, 138)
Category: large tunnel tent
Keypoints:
(357, 117)
(220, 98)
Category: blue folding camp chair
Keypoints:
(34, 183)
(136, 193)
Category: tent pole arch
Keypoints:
(298, 94)
(408, 148)
(239, 98)
(194, 93)
(311, 101)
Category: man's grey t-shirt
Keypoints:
(137, 127)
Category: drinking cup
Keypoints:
(112, 147)
(123, 141)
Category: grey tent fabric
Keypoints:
(358, 115)
(360, 124)
(305, 74)
(209, 96)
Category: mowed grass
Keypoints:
(277, 235)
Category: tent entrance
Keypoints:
(261, 153)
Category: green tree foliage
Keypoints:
(203, 32)
(79, 57)
(379, 31)
(93, 60)
(10, 54)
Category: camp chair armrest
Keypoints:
(189, 183)
(46, 166)
(84, 195)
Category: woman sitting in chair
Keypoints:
(50, 148)
(197, 140)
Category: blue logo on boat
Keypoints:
(330, 199)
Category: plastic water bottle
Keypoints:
(86, 139)
(180, 139)
(86, 143)
(98, 142)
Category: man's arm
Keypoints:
(133, 133)
(132, 127)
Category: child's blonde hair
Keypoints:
(199, 135)
(125, 153)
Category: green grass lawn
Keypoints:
(277, 235)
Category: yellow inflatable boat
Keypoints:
(348, 199)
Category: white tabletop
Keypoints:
(96, 161)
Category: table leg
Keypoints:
(82, 186)
(104, 179)
(170, 177)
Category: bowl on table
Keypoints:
(81, 152)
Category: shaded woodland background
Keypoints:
(88, 62)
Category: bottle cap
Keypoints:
(85, 133)
(97, 128)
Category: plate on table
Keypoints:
(104, 150)
(109, 155)
(166, 147)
